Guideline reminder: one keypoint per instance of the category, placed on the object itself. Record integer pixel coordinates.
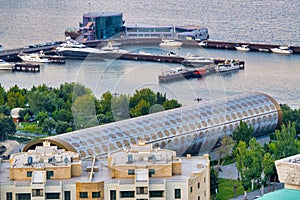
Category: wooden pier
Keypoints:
(26, 67)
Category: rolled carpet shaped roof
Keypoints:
(190, 129)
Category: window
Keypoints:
(198, 197)
(83, 195)
(151, 172)
(8, 195)
(52, 195)
(23, 196)
(37, 192)
(96, 194)
(67, 195)
(49, 174)
(113, 195)
(127, 194)
(142, 190)
(158, 193)
(204, 193)
(130, 171)
(29, 174)
(204, 179)
(198, 184)
(177, 193)
(191, 189)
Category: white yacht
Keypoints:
(5, 65)
(228, 65)
(109, 48)
(170, 43)
(243, 48)
(194, 60)
(34, 57)
(282, 50)
(77, 50)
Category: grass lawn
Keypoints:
(225, 190)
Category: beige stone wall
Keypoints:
(90, 187)
(160, 170)
(62, 172)
(76, 169)
(176, 168)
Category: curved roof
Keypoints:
(195, 128)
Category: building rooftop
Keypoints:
(292, 160)
(102, 14)
(43, 156)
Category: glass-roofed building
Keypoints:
(190, 129)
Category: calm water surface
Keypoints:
(24, 22)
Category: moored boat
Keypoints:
(228, 65)
(243, 48)
(170, 43)
(181, 73)
(5, 65)
(282, 50)
(34, 57)
(1, 47)
(194, 60)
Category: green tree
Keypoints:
(160, 98)
(16, 97)
(105, 103)
(84, 112)
(214, 181)
(242, 164)
(4, 109)
(243, 132)
(40, 117)
(120, 107)
(227, 144)
(62, 127)
(3, 95)
(268, 166)
(291, 115)
(145, 94)
(170, 104)
(7, 126)
(48, 125)
(286, 143)
(142, 108)
(63, 115)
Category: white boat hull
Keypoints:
(280, 51)
(5, 65)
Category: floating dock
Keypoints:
(26, 67)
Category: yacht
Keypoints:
(1, 47)
(170, 43)
(282, 50)
(5, 65)
(34, 57)
(76, 50)
(228, 65)
(109, 48)
(194, 60)
(243, 48)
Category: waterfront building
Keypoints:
(139, 172)
(191, 129)
(149, 31)
(103, 25)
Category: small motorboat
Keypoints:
(282, 50)
(243, 48)
(228, 65)
(194, 60)
(170, 43)
(5, 65)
